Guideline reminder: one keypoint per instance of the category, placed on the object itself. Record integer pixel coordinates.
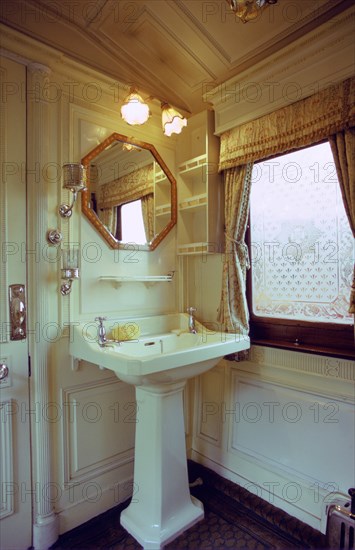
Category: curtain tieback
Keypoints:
(242, 246)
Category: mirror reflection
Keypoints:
(131, 194)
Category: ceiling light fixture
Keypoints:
(134, 111)
(172, 121)
(247, 10)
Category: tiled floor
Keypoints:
(234, 519)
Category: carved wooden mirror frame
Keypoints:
(85, 195)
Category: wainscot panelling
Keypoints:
(210, 393)
(97, 428)
(286, 428)
(93, 426)
(7, 457)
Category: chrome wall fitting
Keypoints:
(66, 210)
(74, 179)
(54, 237)
(70, 269)
(69, 275)
(4, 371)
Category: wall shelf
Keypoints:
(194, 201)
(147, 280)
(200, 228)
(160, 177)
(163, 209)
(197, 248)
(194, 166)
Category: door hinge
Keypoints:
(29, 366)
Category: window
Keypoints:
(302, 253)
(132, 225)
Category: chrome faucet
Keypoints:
(103, 341)
(191, 311)
(101, 331)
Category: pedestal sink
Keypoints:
(158, 365)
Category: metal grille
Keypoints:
(340, 527)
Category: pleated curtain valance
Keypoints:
(133, 186)
(303, 123)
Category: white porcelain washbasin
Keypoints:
(158, 362)
(164, 352)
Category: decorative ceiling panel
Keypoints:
(159, 51)
(169, 49)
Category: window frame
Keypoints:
(333, 339)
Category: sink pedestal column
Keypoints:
(161, 506)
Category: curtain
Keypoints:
(128, 188)
(108, 216)
(233, 310)
(343, 149)
(302, 123)
(148, 216)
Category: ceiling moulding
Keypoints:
(323, 57)
(26, 50)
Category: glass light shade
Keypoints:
(172, 121)
(70, 258)
(74, 177)
(134, 111)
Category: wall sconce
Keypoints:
(172, 121)
(70, 269)
(134, 110)
(74, 179)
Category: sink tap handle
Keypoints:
(191, 311)
(100, 319)
(101, 331)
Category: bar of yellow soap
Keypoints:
(126, 331)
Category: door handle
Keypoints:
(17, 303)
(4, 371)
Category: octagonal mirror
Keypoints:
(131, 193)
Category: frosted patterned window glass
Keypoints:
(302, 249)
